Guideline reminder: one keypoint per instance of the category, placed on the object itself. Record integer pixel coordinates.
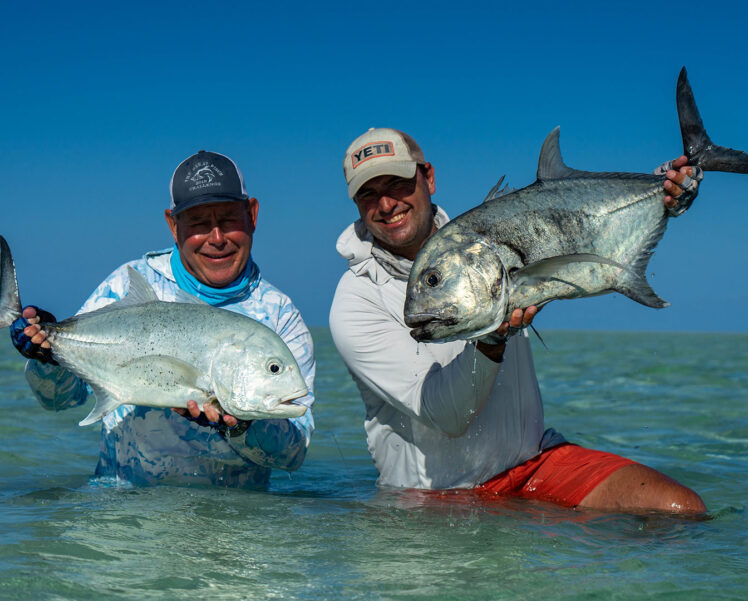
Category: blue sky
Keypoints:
(101, 101)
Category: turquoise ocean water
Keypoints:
(677, 402)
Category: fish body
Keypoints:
(570, 234)
(144, 351)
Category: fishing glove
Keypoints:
(690, 187)
(23, 343)
(227, 432)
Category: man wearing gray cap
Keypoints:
(454, 415)
(212, 220)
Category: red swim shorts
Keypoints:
(564, 475)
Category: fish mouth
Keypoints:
(424, 325)
(446, 316)
(288, 399)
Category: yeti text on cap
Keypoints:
(372, 150)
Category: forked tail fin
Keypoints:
(10, 302)
(697, 146)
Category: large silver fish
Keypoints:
(144, 351)
(570, 234)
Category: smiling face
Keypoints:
(215, 240)
(397, 211)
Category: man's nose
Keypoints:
(216, 235)
(386, 203)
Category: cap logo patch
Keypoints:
(372, 150)
(203, 175)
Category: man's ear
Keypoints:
(429, 177)
(253, 207)
(172, 223)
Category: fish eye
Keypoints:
(274, 366)
(432, 278)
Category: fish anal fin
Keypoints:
(105, 403)
(633, 282)
(640, 291)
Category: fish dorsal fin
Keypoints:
(551, 164)
(139, 290)
(182, 296)
(497, 191)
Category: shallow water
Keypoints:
(677, 402)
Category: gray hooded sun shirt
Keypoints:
(438, 415)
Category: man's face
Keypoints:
(397, 211)
(215, 240)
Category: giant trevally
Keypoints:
(570, 234)
(143, 351)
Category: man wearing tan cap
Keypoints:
(454, 415)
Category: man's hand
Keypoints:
(517, 320)
(208, 416)
(29, 338)
(679, 177)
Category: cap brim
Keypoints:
(405, 169)
(205, 200)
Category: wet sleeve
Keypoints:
(379, 351)
(283, 443)
(56, 388)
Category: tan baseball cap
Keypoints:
(380, 151)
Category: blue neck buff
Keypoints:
(241, 287)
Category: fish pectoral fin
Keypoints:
(153, 381)
(105, 403)
(168, 370)
(548, 269)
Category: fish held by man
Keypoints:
(143, 351)
(571, 234)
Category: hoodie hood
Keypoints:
(160, 262)
(366, 258)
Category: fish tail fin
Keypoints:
(697, 145)
(10, 301)
(105, 403)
